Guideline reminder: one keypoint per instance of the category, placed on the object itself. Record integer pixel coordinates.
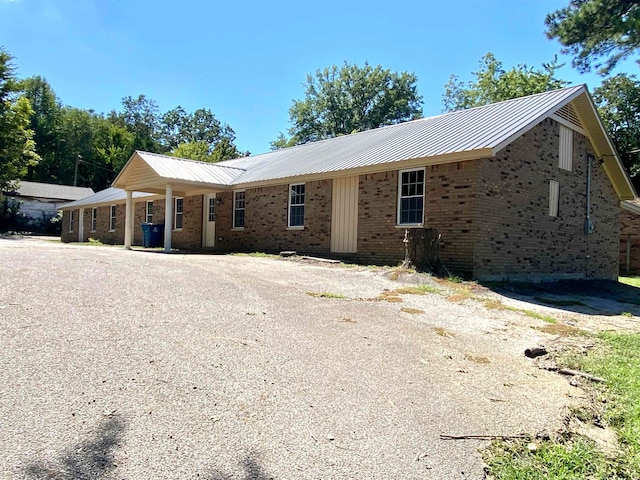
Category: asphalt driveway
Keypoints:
(131, 364)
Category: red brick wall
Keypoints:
(629, 234)
(266, 221)
(102, 232)
(190, 236)
(449, 207)
(516, 235)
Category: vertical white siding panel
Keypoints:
(344, 215)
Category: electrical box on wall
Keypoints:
(588, 226)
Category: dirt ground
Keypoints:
(136, 364)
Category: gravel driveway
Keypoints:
(132, 364)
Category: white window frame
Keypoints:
(401, 197)
(234, 226)
(291, 205)
(211, 209)
(112, 218)
(94, 219)
(178, 213)
(148, 216)
(71, 221)
(565, 155)
(554, 198)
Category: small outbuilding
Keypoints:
(526, 189)
(39, 202)
(630, 237)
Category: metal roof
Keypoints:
(463, 135)
(52, 191)
(108, 196)
(145, 166)
(479, 129)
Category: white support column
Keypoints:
(81, 226)
(168, 218)
(128, 221)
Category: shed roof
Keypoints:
(108, 196)
(51, 191)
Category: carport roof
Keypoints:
(463, 135)
(108, 196)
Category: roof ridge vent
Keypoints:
(569, 114)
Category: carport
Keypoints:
(151, 173)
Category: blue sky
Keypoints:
(246, 61)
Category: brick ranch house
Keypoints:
(528, 188)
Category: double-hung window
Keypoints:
(238, 209)
(71, 219)
(296, 205)
(149, 214)
(411, 197)
(112, 219)
(178, 209)
(94, 219)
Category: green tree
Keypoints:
(618, 102)
(192, 151)
(598, 33)
(17, 148)
(349, 99)
(282, 142)
(45, 123)
(141, 116)
(189, 134)
(494, 84)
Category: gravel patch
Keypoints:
(133, 364)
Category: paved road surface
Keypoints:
(132, 364)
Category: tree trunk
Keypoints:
(422, 247)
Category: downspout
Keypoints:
(588, 225)
(628, 253)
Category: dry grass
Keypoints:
(459, 297)
(325, 295)
(443, 332)
(476, 359)
(409, 291)
(414, 311)
(347, 320)
(397, 272)
(561, 329)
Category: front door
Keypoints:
(210, 220)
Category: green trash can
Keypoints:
(152, 235)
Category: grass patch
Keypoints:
(566, 460)
(426, 288)
(559, 303)
(413, 311)
(255, 254)
(325, 295)
(617, 359)
(633, 281)
(532, 314)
